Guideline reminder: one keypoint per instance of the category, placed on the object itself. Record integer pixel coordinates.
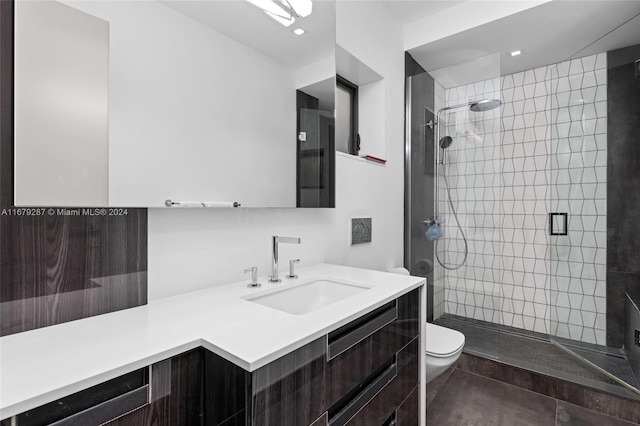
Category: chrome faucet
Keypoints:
(274, 255)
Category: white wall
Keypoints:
(189, 250)
(461, 17)
(318, 71)
(192, 249)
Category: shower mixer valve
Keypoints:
(434, 221)
(434, 231)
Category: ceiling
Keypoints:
(408, 11)
(549, 33)
(249, 25)
(546, 34)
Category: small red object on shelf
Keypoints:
(376, 159)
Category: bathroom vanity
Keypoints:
(218, 357)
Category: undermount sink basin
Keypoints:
(300, 299)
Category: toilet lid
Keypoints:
(443, 341)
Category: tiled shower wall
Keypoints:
(579, 186)
(543, 151)
(472, 169)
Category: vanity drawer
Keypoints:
(349, 368)
(169, 392)
(383, 406)
(377, 401)
(408, 414)
(95, 405)
(289, 390)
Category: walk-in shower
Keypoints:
(434, 230)
(559, 299)
(488, 183)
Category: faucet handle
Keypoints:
(292, 273)
(254, 277)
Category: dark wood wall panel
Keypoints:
(56, 268)
(623, 188)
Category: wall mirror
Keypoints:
(204, 103)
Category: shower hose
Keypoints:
(455, 216)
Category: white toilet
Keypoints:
(444, 347)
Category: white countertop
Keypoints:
(42, 365)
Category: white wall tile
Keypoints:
(550, 154)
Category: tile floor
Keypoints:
(461, 398)
(534, 352)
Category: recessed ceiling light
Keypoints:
(516, 53)
(298, 31)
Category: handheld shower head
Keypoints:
(445, 142)
(484, 105)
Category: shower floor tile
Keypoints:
(615, 365)
(530, 351)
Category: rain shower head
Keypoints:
(484, 105)
(475, 106)
(445, 142)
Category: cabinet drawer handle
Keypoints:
(362, 398)
(109, 410)
(340, 340)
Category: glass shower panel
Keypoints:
(578, 195)
(577, 166)
(468, 257)
(420, 166)
(469, 203)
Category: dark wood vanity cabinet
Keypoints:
(369, 383)
(364, 373)
(226, 392)
(351, 367)
(291, 389)
(384, 407)
(169, 392)
(175, 394)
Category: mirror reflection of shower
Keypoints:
(434, 230)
